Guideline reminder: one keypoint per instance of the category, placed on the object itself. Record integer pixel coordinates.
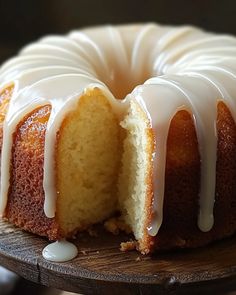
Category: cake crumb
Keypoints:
(138, 259)
(7, 231)
(115, 225)
(128, 246)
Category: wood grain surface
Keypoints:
(101, 268)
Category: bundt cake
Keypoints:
(135, 119)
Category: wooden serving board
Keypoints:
(101, 268)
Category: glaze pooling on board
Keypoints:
(60, 251)
(184, 68)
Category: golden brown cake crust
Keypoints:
(179, 228)
(26, 195)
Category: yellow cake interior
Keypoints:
(133, 180)
(101, 165)
(87, 159)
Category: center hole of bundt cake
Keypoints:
(121, 83)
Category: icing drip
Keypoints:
(60, 251)
(184, 69)
(188, 97)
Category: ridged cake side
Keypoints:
(181, 206)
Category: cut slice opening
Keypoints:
(104, 166)
(88, 156)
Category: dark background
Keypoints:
(22, 21)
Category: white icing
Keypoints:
(184, 68)
(60, 251)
